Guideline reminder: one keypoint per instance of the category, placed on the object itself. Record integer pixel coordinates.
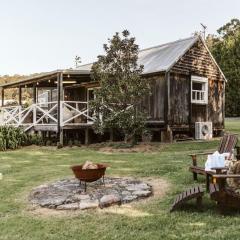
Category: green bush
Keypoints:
(13, 138)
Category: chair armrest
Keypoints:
(199, 154)
(224, 176)
(194, 157)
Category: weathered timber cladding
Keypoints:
(215, 104)
(197, 61)
(154, 104)
(179, 99)
(199, 113)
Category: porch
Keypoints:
(58, 100)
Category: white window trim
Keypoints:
(205, 92)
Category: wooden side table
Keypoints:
(209, 175)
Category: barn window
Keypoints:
(199, 90)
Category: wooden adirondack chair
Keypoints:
(224, 196)
(195, 192)
(227, 143)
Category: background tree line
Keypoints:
(225, 47)
(12, 93)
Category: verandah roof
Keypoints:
(45, 76)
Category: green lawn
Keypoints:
(29, 167)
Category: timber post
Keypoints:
(20, 95)
(111, 135)
(86, 136)
(167, 135)
(168, 96)
(2, 97)
(34, 94)
(59, 107)
(34, 104)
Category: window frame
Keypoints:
(202, 80)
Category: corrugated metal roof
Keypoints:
(163, 57)
(159, 58)
(85, 67)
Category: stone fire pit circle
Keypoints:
(68, 194)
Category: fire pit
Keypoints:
(66, 194)
(89, 175)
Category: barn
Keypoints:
(187, 85)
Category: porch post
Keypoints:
(111, 135)
(86, 136)
(34, 102)
(2, 97)
(20, 95)
(34, 93)
(60, 99)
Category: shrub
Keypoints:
(12, 138)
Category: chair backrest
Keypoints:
(228, 142)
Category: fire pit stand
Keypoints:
(89, 175)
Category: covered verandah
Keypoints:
(59, 100)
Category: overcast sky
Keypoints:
(44, 35)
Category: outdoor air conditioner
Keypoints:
(203, 130)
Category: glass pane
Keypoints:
(194, 95)
(198, 86)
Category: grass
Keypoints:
(29, 167)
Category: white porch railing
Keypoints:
(71, 113)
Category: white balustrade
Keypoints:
(71, 113)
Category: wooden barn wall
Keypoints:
(179, 99)
(154, 103)
(199, 113)
(197, 61)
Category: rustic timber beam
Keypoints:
(59, 101)
(83, 84)
(2, 97)
(86, 141)
(190, 100)
(34, 93)
(30, 82)
(223, 104)
(20, 95)
(168, 103)
(45, 77)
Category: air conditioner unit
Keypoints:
(203, 130)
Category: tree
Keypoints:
(225, 47)
(122, 88)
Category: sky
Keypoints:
(45, 35)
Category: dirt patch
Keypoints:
(108, 147)
(142, 147)
(160, 188)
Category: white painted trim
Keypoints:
(203, 80)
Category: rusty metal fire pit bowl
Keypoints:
(89, 175)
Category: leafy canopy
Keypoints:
(225, 47)
(121, 89)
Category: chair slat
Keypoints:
(194, 192)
